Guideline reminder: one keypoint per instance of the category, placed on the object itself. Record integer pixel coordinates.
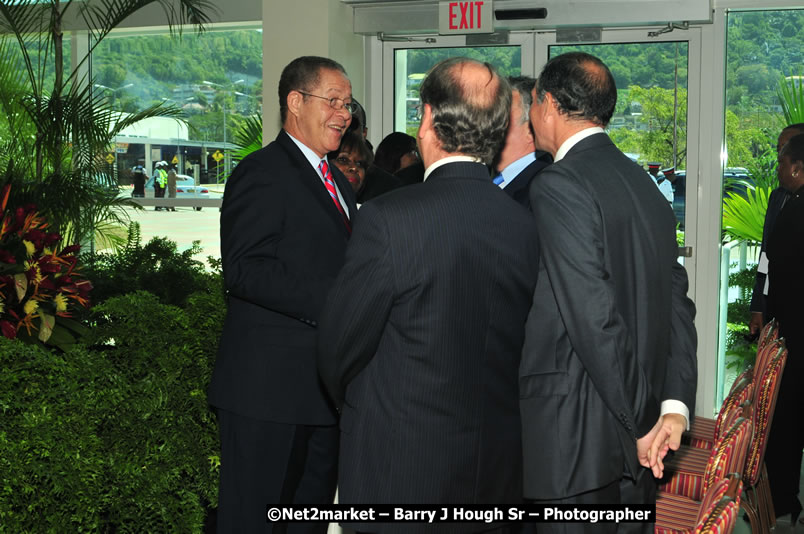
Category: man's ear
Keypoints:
(797, 169)
(426, 123)
(295, 100)
(552, 105)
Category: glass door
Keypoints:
(650, 122)
(410, 61)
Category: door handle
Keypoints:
(685, 252)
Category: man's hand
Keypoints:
(668, 437)
(755, 324)
(644, 443)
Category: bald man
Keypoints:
(422, 334)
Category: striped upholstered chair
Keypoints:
(716, 513)
(691, 472)
(704, 432)
(757, 503)
(769, 334)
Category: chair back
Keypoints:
(764, 356)
(742, 391)
(767, 389)
(768, 334)
(719, 509)
(729, 453)
(747, 374)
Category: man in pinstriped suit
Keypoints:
(421, 336)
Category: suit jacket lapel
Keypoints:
(310, 178)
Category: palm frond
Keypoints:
(790, 92)
(744, 216)
(248, 137)
(52, 137)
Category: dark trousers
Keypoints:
(625, 491)
(266, 463)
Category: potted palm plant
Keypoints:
(55, 128)
(53, 134)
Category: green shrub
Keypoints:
(737, 316)
(157, 267)
(163, 438)
(53, 469)
(117, 438)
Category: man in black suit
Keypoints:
(519, 161)
(285, 222)
(610, 341)
(422, 334)
(778, 198)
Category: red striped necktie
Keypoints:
(333, 193)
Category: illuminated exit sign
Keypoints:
(465, 17)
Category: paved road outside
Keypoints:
(183, 226)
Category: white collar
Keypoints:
(574, 140)
(449, 159)
(309, 155)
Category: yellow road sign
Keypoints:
(175, 160)
(109, 158)
(217, 155)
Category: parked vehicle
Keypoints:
(186, 188)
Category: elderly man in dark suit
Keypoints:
(610, 341)
(422, 334)
(519, 161)
(285, 221)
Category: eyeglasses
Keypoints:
(335, 103)
(348, 163)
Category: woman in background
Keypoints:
(396, 152)
(353, 158)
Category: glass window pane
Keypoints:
(763, 48)
(650, 121)
(411, 65)
(215, 79)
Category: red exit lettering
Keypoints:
(469, 20)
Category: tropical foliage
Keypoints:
(115, 433)
(55, 126)
(744, 214)
(40, 283)
(790, 92)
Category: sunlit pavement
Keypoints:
(183, 226)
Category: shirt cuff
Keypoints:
(675, 406)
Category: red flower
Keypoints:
(37, 237)
(52, 238)
(70, 250)
(8, 329)
(47, 266)
(19, 214)
(48, 284)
